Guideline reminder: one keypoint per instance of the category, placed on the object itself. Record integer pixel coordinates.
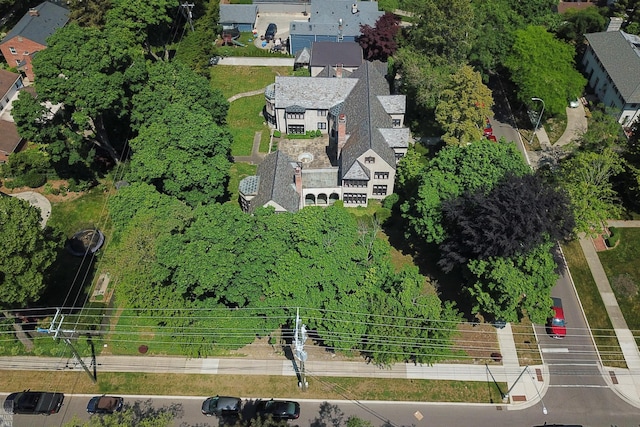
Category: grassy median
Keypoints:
(329, 388)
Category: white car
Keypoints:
(574, 103)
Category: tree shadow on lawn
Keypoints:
(425, 257)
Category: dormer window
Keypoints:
(369, 160)
(13, 50)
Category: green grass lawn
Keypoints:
(86, 211)
(622, 265)
(593, 306)
(238, 171)
(232, 80)
(245, 119)
(328, 388)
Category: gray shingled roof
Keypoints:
(311, 92)
(364, 114)
(621, 58)
(276, 174)
(303, 56)
(358, 171)
(396, 137)
(324, 16)
(347, 54)
(238, 13)
(39, 28)
(394, 104)
(331, 72)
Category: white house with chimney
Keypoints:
(354, 161)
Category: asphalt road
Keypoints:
(590, 407)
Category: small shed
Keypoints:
(240, 16)
(302, 58)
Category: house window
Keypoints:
(399, 156)
(295, 129)
(354, 198)
(396, 123)
(354, 183)
(13, 50)
(322, 125)
(26, 52)
(369, 160)
(381, 175)
(379, 190)
(322, 113)
(295, 115)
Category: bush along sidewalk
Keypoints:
(614, 237)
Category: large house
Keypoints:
(333, 21)
(10, 84)
(612, 65)
(30, 35)
(363, 137)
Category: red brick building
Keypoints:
(30, 35)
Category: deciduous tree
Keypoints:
(463, 107)
(544, 67)
(27, 252)
(379, 42)
(183, 154)
(517, 215)
(454, 171)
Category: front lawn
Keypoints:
(232, 80)
(593, 306)
(245, 119)
(622, 265)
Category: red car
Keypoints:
(556, 326)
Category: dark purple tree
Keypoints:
(518, 215)
(379, 42)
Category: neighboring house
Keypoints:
(355, 160)
(329, 58)
(10, 83)
(612, 65)
(334, 21)
(240, 16)
(30, 35)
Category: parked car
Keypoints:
(270, 34)
(278, 409)
(105, 404)
(556, 326)
(33, 402)
(221, 406)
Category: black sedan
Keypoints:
(278, 409)
(105, 404)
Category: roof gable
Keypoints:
(7, 80)
(276, 174)
(619, 54)
(39, 27)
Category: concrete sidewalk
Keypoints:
(524, 387)
(625, 382)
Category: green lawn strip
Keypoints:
(86, 211)
(593, 306)
(330, 388)
(232, 80)
(245, 119)
(526, 343)
(622, 266)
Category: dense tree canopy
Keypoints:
(184, 154)
(86, 70)
(379, 42)
(463, 107)
(544, 67)
(514, 287)
(517, 215)
(452, 172)
(587, 178)
(27, 252)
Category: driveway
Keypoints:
(282, 20)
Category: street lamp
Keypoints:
(539, 118)
(544, 408)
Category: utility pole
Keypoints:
(57, 331)
(299, 337)
(186, 10)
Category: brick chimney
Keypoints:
(34, 12)
(342, 134)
